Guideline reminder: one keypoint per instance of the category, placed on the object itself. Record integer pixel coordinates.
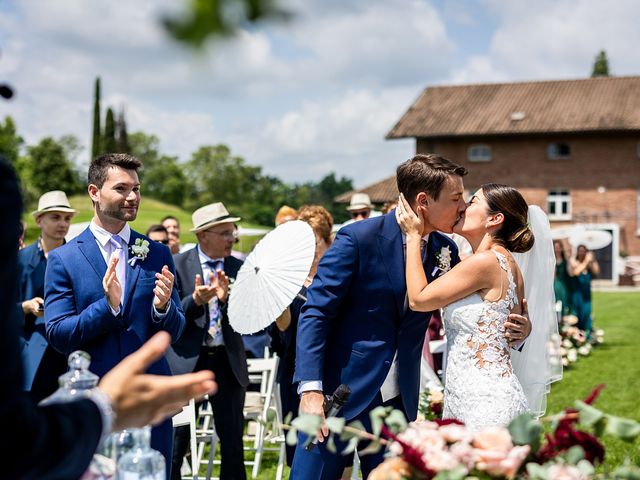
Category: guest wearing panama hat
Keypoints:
(203, 275)
(42, 363)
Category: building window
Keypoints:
(559, 205)
(479, 153)
(558, 151)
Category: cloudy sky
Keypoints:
(303, 98)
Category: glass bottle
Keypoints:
(73, 385)
(141, 462)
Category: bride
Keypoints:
(478, 294)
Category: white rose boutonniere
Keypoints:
(139, 251)
(444, 259)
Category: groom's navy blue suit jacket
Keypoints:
(354, 319)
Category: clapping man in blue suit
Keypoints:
(42, 363)
(110, 289)
(356, 328)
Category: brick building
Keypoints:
(572, 147)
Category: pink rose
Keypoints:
(494, 439)
(564, 472)
(500, 463)
(464, 453)
(440, 460)
(455, 433)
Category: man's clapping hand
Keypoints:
(33, 307)
(218, 287)
(164, 287)
(140, 399)
(111, 285)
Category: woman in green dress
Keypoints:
(583, 268)
(561, 281)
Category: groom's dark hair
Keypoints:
(425, 173)
(100, 165)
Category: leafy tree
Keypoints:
(97, 130)
(10, 141)
(165, 181)
(72, 150)
(145, 148)
(47, 167)
(601, 65)
(109, 139)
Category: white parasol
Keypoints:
(592, 239)
(271, 276)
(559, 233)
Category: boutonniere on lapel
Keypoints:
(139, 251)
(444, 259)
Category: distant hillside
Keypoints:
(151, 211)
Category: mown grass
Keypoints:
(616, 363)
(151, 211)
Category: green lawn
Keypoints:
(151, 211)
(615, 363)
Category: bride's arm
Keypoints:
(469, 276)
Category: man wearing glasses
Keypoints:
(208, 341)
(360, 206)
(158, 233)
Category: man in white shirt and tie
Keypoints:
(202, 277)
(110, 289)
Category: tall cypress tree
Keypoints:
(109, 133)
(97, 131)
(122, 138)
(601, 65)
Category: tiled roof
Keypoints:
(563, 106)
(383, 191)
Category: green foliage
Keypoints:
(525, 430)
(10, 141)
(600, 65)
(96, 141)
(165, 181)
(47, 167)
(217, 18)
(145, 148)
(109, 139)
(122, 137)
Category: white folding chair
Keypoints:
(188, 417)
(257, 408)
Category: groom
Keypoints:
(356, 328)
(111, 289)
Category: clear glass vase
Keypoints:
(141, 462)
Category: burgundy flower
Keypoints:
(565, 437)
(594, 394)
(410, 454)
(447, 421)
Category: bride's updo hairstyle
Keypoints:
(515, 234)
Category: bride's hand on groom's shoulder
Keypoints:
(410, 223)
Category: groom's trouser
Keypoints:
(321, 464)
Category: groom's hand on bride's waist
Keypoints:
(312, 403)
(518, 327)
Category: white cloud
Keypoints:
(553, 39)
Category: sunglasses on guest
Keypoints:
(360, 213)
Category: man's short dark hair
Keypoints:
(156, 228)
(170, 217)
(100, 165)
(425, 173)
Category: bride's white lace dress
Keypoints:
(480, 386)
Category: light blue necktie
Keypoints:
(215, 317)
(117, 249)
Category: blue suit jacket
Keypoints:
(31, 268)
(354, 319)
(77, 315)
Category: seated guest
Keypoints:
(158, 233)
(283, 332)
(42, 363)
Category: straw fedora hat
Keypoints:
(359, 201)
(54, 201)
(210, 215)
